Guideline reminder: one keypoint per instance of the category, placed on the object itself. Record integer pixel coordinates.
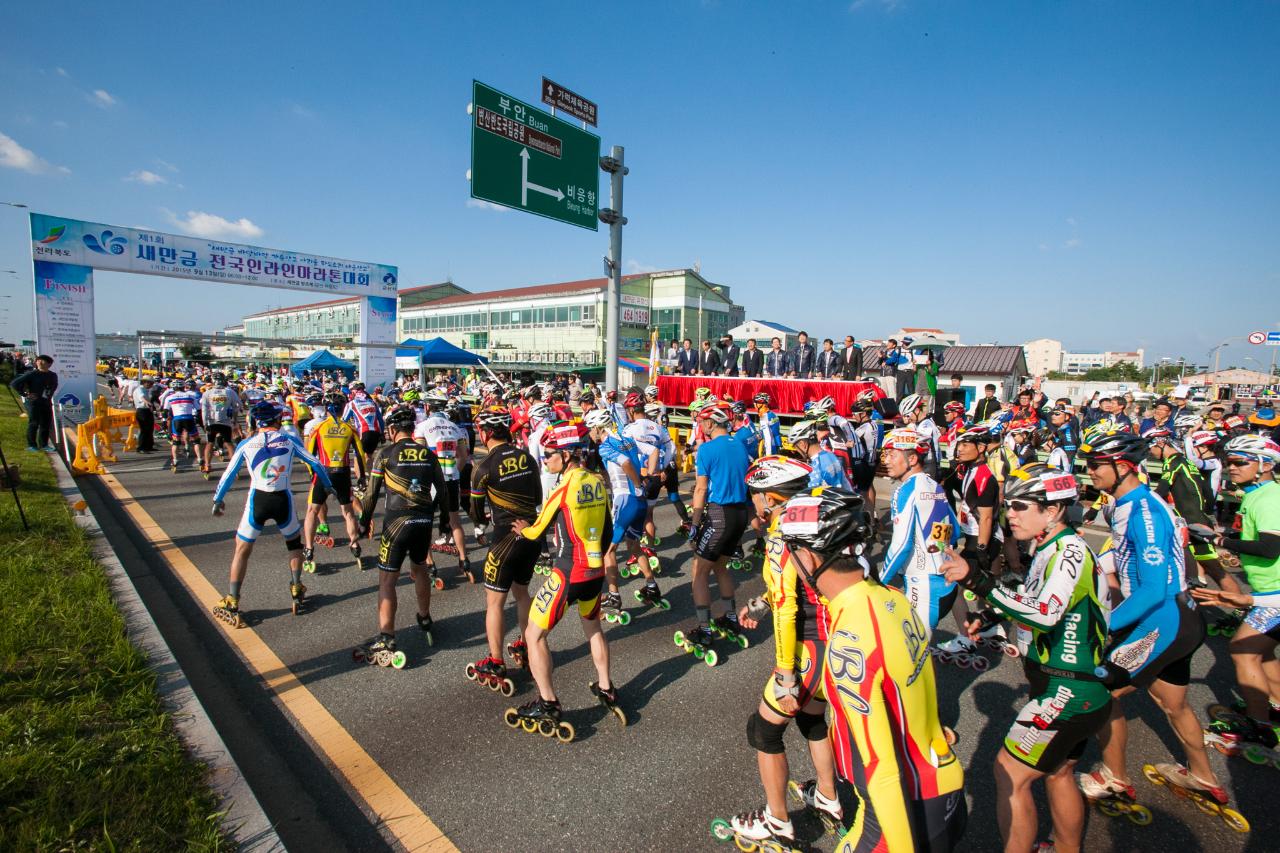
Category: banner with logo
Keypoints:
(64, 330)
(115, 247)
(377, 326)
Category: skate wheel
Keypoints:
(1109, 808)
(1234, 819)
(949, 734)
(624, 617)
(655, 564)
(742, 641)
(431, 639)
(565, 733)
(471, 672)
(511, 718)
(979, 663)
(679, 638)
(744, 844)
(508, 687)
(969, 595)
(711, 658)
(699, 652)
(438, 583)
(382, 658)
(664, 604)
(1254, 755)
(620, 714)
(492, 683)
(1152, 774)
(398, 660)
(639, 597)
(1139, 815)
(720, 829)
(529, 726)
(546, 728)
(1204, 805)
(1012, 651)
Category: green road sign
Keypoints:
(524, 158)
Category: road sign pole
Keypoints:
(614, 165)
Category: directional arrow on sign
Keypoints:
(526, 186)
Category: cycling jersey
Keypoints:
(508, 479)
(1260, 513)
(1181, 485)
(219, 406)
(1058, 460)
(363, 414)
(444, 437)
(1148, 555)
(645, 431)
(181, 404)
(269, 455)
(724, 462)
(579, 510)
(298, 408)
(977, 490)
(615, 450)
(928, 430)
(885, 732)
(871, 434)
(923, 527)
(798, 613)
(331, 441)
(770, 429)
(827, 471)
(411, 474)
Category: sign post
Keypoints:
(612, 216)
(526, 159)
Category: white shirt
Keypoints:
(141, 397)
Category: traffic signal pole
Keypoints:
(612, 216)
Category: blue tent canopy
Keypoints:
(438, 352)
(322, 359)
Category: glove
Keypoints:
(218, 508)
(757, 608)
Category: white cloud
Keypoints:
(301, 112)
(167, 165)
(1073, 243)
(103, 98)
(142, 176)
(1071, 220)
(15, 156)
(635, 267)
(481, 204)
(200, 224)
(62, 72)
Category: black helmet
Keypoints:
(265, 413)
(826, 520)
(401, 418)
(1115, 447)
(1037, 482)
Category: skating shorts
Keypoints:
(511, 560)
(556, 594)
(652, 487)
(629, 514)
(178, 426)
(721, 530)
(341, 480)
(262, 507)
(671, 479)
(1160, 646)
(1264, 620)
(369, 442)
(931, 597)
(452, 496)
(218, 433)
(936, 824)
(863, 474)
(404, 536)
(809, 657)
(1055, 725)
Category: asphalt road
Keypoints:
(654, 785)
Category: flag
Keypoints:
(653, 358)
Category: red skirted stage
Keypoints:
(789, 395)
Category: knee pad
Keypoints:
(764, 735)
(294, 544)
(812, 726)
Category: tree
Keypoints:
(193, 351)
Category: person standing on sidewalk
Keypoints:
(37, 387)
(144, 416)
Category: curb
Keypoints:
(244, 820)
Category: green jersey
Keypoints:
(1260, 513)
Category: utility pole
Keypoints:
(612, 216)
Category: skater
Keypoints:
(220, 411)
(182, 404)
(579, 511)
(269, 454)
(448, 442)
(332, 441)
(1062, 629)
(415, 490)
(507, 480)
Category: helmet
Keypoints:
(954, 406)
(597, 418)
(1157, 433)
(1115, 447)
(1024, 426)
(826, 520)
(411, 396)
(701, 393)
(716, 413)
(192, 385)
(780, 474)
(907, 407)
(651, 391)
(611, 394)
(814, 412)
(401, 418)
(827, 404)
(1261, 449)
(1203, 438)
(806, 430)
(976, 434)
(1045, 434)
(357, 386)
(565, 435)
(869, 396)
(1186, 422)
(265, 413)
(653, 411)
(541, 412)
(738, 407)
(511, 396)
(764, 398)
(220, 380)
(493, 416)
(335, 401)
(862, 407)
(314, 399)
(435, 401)
(906, 439)
(588, 396)
(1037, 482)
(1106, 426)
(1233, 422)
(632, 401)
(533, 392)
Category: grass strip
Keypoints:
(89, 759)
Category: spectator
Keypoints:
(828, 362)
(708, 360)
(802, 357)
(776, 364)
(926, 370)
(752, 359)
(988, 407)
(850, 359)
(891, 361)
(37, 388)
(1161, 416)
(687, 359)
(729, 358)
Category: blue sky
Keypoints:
(1104, 173)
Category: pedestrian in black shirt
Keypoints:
(37, 388)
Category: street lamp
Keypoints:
(13, 203)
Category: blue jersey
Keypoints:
(828, 471)
(724, 462)
(1148, 556)
(749, 437)
(770, 429)
(269, 454)
(923, 526)
(615, 450)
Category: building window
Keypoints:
(588, 313)
(575, 313)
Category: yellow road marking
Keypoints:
(394, 809)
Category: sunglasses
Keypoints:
(1236, 462)
(1019, 506)
(1093, 465)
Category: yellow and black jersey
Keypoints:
(412, 477)
(508, 479)
(332, 442)
(579, 507)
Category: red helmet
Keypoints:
(954, 406)
(633, 401)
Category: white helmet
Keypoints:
(1203, 438)
(1186, 422)
(827, 404)
(651, 391)
(598, 418)
(803, 431)
(540, 412)
(653, 411)
(906, 438)
(1262, 449)
(907, 407)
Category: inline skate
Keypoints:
(611, 609)
(425, 624)
(1232, 733)
(728, 628)
(322, 536)
(380, 652)
(1113, 797)
(357, 555)
(961, 652)
(698, 643)
(651, 595)
(756, 830)
(309, 560)
(1227, 624)
(609, 698)
(542, 717)
(492, 673)
(228, 610)
(1210, 800)
(828, 811)
(298, 593)
(519, 651)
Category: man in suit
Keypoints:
(687, 359)
(752, 359)
(802, 357)
(729, 356)
(828, 361)
(850, 360)
(708, 360)
(776, 362)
